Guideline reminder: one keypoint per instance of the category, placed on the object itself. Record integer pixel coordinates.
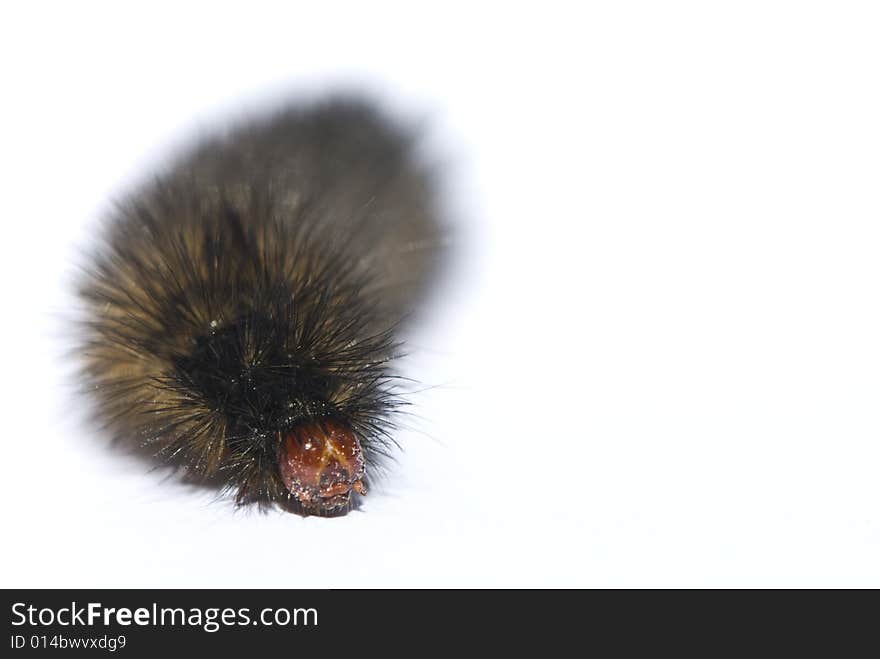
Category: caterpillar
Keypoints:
(242, 308)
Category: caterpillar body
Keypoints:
(242, 308)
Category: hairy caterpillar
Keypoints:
(242, 307)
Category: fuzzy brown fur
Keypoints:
(256, 286)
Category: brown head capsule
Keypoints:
(321, 462)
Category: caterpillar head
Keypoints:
(321, 463)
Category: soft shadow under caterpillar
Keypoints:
(242, 308)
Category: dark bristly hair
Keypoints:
(242, 307)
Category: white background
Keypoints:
(657, 363)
